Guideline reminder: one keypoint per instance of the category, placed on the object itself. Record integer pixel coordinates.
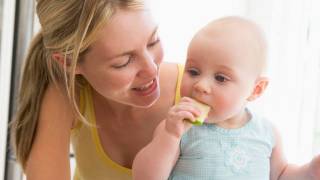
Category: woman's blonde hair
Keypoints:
(68, 27)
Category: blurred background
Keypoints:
(292, 27)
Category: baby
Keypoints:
(224, 70)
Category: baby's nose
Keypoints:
(203, 86)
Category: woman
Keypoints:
(92, 77)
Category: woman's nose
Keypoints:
(149, 68)
(202, 86)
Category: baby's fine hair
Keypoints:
(250, 27)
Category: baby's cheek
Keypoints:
(232, 106)
(224, 104)
(184, 92)
(185, 89)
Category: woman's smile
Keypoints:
(147, 88)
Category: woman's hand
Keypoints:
(179, 117)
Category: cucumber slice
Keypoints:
(204, 113)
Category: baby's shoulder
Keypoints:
(261, 121)
(263, 126)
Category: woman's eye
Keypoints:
(130, 58)
(193, 72)
(221, 78)
(153, 43)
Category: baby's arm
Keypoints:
(156, 160)
(281, 170)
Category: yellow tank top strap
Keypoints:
(180, 74)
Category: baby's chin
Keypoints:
(210, 121)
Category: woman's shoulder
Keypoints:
(168, 86)
(168, 78)
(53, 130)
(55, 103)
(166, 67)
(168, 74)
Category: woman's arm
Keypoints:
(49, 156)
(281, 170)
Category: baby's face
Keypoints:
(220, 71)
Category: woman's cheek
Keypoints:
(159, 55)
(119, 81)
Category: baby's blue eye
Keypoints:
(220, 78)
(193, 72)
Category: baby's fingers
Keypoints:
(187, 106)
(181, 113)
(176, 123)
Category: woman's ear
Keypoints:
(62, 61)
(78, 69)
(58, 57)
(260, 86)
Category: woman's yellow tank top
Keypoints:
(92, 163)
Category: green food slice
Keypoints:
(204, 113)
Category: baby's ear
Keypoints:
(260, 85)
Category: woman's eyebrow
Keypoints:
(130, 51)
(154, 32)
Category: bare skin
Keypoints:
(56, 122)
(127, 56)
(126, 133)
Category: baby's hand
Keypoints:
(180, 115)
(315, 167)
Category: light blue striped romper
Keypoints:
(209, 152)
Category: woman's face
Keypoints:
(123, 64)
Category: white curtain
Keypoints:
(292, 101)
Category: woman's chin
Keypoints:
(147, 101)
